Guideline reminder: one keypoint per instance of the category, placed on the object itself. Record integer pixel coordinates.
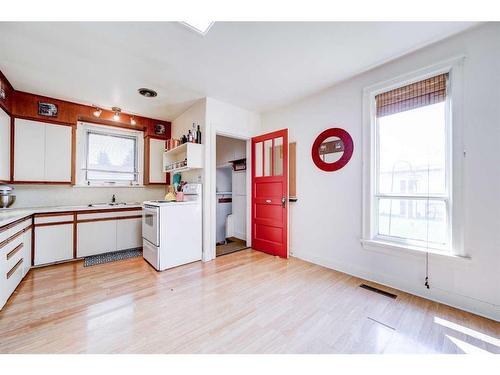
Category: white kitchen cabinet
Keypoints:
(53, 243)
(5, 146)
(96, 237)
(156, 150)
(29, 151)
(57, 153)
(42, 152)
(129, 233)
(27, 251)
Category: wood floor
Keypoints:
(245, 302)
(234, 244)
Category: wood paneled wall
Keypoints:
(25, 105)
(6, 103)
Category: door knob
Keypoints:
(283, 201)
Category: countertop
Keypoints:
(9, 215)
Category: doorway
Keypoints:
(231, 195)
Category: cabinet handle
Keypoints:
(14, 252)
(9, 274)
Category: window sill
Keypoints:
(391, 248)
(109, 186)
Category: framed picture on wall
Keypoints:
(47, 109)
(160, 129)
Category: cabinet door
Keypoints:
(129, 233)
(27, 252)
(57, 153)
(4, 146)
(53, 243)
(156, 149)
(29, 150)
(96, 237)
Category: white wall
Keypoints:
(42, 196)
(183, 123)
(216, 117)
(334, 199)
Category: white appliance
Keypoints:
(172, 231)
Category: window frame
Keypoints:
(83, 132)
(455, 153)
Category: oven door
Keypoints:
(150, 224)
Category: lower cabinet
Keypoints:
(14, 263)
(27, 251)
(95, 237)
(99, 233)
(53, 243)
(129, 233)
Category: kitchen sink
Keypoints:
(107, 204)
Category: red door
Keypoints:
(270, 193)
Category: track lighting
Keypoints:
(117, 111)
(97, 112)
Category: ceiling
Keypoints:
(255, 65)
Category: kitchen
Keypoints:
(180, 196)
(74, 179)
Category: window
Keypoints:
(409, 165)
(109, 156)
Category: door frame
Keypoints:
(210, 176)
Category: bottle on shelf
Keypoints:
(190, 136)
(195, 140)
(198, 135)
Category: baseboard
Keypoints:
(458, 301)
(240, 236)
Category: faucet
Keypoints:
(113, 199)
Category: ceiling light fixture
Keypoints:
(132, 121)
(97, 112)
(117, 111)
(200, 26)
(148, 93)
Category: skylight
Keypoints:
(200, 26)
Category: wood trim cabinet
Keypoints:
(42, 152)
(4, 146)
(153, 161)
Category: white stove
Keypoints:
(172, 231)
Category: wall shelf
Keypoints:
(183, 158)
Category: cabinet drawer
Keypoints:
(12, 229)
(45, 219)
(109, 215)
(12, 278)
(11, 253)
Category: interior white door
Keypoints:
(156, 149)
(53, 243)
(4, 146)
(128, 233)
(57, 153)
(29, 150)
(96, 237)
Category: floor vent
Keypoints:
(112, 256)
(379, 291)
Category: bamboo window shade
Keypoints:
(418, 94)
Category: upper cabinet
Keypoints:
(42, 152)
(4, 146)
(154, 173)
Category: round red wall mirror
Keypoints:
(332, 149)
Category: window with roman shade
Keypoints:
(411, 196)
